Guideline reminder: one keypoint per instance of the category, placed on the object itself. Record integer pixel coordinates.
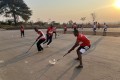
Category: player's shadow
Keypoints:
(76, 71)
(43, 71)
(17, 58)
(15, 47)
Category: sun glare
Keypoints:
(117, 3)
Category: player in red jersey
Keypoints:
(49, 35)
(84, 44)
(40, 39)
(22, 31)
(65, 28)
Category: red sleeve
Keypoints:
(48, 29)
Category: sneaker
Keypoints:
(76, 58)
(40, 51)
(79, 66)
(42, 45)
(48, 46)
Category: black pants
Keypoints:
(65, 31)
(22, 33)
(39, 47)
(83, 47)
(94, 31)
(49, 39)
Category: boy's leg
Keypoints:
(50, 40)
(105, 33)
(55, 34)
(23, 33)
(38, 45)
(79, 58)
(80, 51)
(93, 31)
(47, 38)
(41, 41)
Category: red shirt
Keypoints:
(65, 27)
(50, 31)
(83, 40)
(21, 28)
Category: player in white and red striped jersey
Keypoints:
(40, 39)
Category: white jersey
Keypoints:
(41, 33)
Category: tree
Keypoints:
(15, 9)
(83, 18)
(70, 23)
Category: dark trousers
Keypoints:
(22, 33)
(49, 39)
(94, 31)
(39, 47)
(65, 31)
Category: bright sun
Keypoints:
(117, 3)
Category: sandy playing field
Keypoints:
(101, 62)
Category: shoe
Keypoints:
(48, 46)
(79, 66)
(40, 51)
(76, 58)
(42, 45)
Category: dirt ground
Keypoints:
(101, 61)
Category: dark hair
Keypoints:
(51, 25)
(35, 28)
(75, 31)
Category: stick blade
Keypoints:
(52, 62)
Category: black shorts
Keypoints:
(83, 49)
(94, 29)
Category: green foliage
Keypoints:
(15, 8)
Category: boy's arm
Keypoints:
(39, 36)
(75, 45)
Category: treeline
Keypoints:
(43, 25)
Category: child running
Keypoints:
(22, 31)
(49, 35)
(40, 39)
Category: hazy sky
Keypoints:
(65, 10)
